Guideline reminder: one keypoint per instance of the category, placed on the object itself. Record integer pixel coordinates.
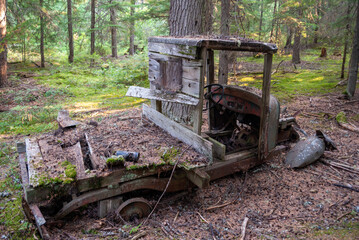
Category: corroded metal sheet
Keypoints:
(305, 152)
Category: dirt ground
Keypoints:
(279, 202)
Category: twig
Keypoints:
(341, 166)
(139, 235)
(277, 67)
(168, 183)
(220, 206)
(230, 202)
(174, 220)
(167, 233)
(342, 216)
(244, 226)
(346, 185)
(203, 218)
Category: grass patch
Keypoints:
(13, 223)
(349, 230)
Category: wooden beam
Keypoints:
(95, 161)
(177, 50)
(76, 158)
(210, 80)
(197, 114)
(35, 162)
(263, 130)
(198, 177)
(64, 120)
(141, 92)
(202, 145)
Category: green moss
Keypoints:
(168, 155)
(115, 161)
(341, 118)
(70, 170)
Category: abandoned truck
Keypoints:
(193, 132)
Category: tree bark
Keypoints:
(113, 31)
(346, 37)
(354, 60)
(69, 26)
(132, 28)
(42, 51)
(296, 46)
(223, 55)
(260, 22)
(93, 22)
(3, 46)
(185, 17)
(208, 17)
(273, 21)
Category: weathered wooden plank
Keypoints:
(263, 130)
(197, 114)
(141, 92)
(40, 221)
(192, 62)
(153, 183)
(64, 120)
(219, 149)
(23, 170)
(95, 161)
(234, 44)
(198, 177)
(108, 205)
(75, 157)
(191, 73)
(210, 80)
(35, 162)
(53, 168)
(178, 131)
(191, 87)
(178, 50)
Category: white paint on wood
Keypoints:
(153, 94)
(201, 145)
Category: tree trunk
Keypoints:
(296, 45)
(354, 60)
(3, 46)
(132, 28)
(288, 43)
(273, 21)
(345, 43)
(42, 51)
(69, 26)
(208, 17)
(113, 31)
(260, 22)
(223, 55)
(93, 21)
(185, 17)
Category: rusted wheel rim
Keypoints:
(134, 208)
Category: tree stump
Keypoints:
(323, 54)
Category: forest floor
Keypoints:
(278, 201)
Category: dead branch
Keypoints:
(139, 235)
(341, 166)
(220, 206)
(346, 185)
(164, 191)
(244, 226)
(349, 126)
(340, 217)
(275, 71)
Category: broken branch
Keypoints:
(244, 226)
